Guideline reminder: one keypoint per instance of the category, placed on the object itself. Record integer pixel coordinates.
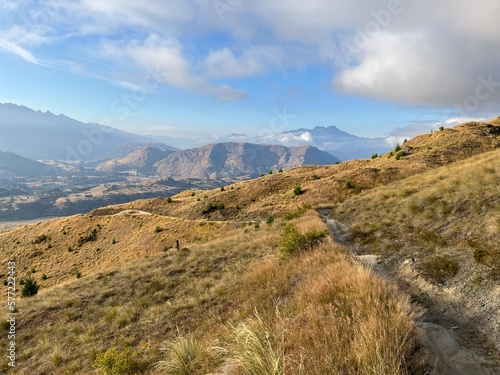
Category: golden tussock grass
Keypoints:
(453, 211)
(232, 305)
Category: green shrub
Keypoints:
(297, 190)
(116, 361)
(30, 287)
(40, 239)
(299, 211)
(270, 220)
(222, 188)
(210, 207)
(92, 236)
(374, 156)
(44, 277)
(158, 229)
(113, 241)
(293, 242)
(398, 155)
(78, 274)
(397, 148)
(314, 237)
(439, 269)
(169, 200)
(349, 184)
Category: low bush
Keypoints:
(30, 287)
(439, 269)
(92, 236)
(297, 190)
(117, 361)
(293, 242)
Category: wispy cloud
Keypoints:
(16, 49)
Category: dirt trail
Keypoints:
(451, 349)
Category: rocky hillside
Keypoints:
(237, 160)
(141, 160)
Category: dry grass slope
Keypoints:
(200, 305)
(448, 221)
(229, 300)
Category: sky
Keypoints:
(206, 68)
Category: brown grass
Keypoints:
(454, 211)
(200, 304)
(229, 286)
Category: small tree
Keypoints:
(30, 287)
(298, 190)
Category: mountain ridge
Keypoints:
(239, 160)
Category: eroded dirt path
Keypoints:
(451, 348)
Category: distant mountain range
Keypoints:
(45, 136)
(236, 160)
(142, 160)
(13, 165)
(339, 143)
(343, 145)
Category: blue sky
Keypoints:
(205, 68)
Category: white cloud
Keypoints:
(223, 63)
(403, 68)
(429, 53)
(19, 51)
(392, 141)
(165, 57)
